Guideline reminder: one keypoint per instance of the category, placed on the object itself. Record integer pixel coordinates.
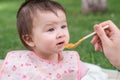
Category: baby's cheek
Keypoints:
(68, 37)
(51, 43)
(67, 40)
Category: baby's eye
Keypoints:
(63, 26)
(51, 29)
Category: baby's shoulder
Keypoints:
(16, 57)
(17, 54)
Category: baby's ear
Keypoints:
(28, 40)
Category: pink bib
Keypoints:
(25, 65)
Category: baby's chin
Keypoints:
(60, 49)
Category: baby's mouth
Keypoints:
(60, 43)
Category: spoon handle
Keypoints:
(93, 33)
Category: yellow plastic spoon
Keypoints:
(73, 45)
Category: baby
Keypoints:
(43, 30)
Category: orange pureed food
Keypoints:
(73, 45)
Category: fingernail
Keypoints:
(96, 28)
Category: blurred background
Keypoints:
(81, 17)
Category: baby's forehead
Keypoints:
(48, 18)
(47, 13)
(39, 11)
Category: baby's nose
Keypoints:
(60, 35)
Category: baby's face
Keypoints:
(50, 32)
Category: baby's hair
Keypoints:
(28, 10)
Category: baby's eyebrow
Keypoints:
(51, 23)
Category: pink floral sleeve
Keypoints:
(82, 68)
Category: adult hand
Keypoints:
(108, 41)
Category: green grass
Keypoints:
(79, 26)
(8, 33)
